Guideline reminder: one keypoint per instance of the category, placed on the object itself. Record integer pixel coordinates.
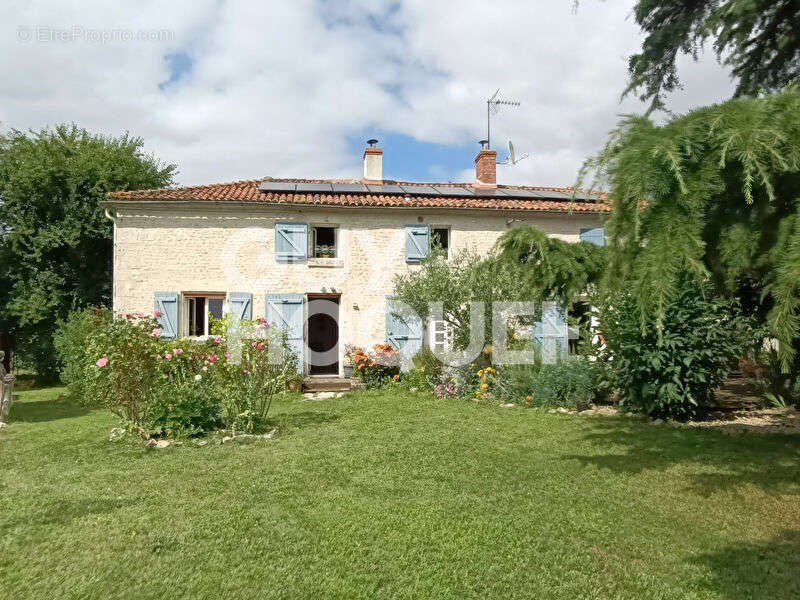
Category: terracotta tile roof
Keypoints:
(247, 191)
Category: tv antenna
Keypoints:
(512, 155)
(493, 105)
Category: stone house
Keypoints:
(315, 256)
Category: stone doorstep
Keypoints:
(327, 384)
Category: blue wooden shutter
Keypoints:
(417, 242)
(240, 305)
(285, 311)
(594, 235)
(167, 304)
(403, 331)
(291, 241)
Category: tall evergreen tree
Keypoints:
(55, 253)
(715, 193)
(758, 39)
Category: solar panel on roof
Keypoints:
(349, 188)
(585, 196)
(277, 186)
(314, 187)
(524, 193)
(554, 195)
(419, 190)
(455, 191)
(385, 189)
(489, 193)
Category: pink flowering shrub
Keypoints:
(173, 387)
(120, 377)
(248, 386)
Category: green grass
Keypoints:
(381, 495)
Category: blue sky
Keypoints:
(179, 64)
(412, 160)
(241, 90)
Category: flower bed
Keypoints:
(175, 387)
(375, 368)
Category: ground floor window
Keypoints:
(200, 308)
(439, 335)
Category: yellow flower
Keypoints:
(487, 348)
(480, 373)
(528, 398)
(472, 365)
(477, 394)
(422, 369)
(484, 386)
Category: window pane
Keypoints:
(324, 242)
(197, 316)
(215, 307)
(441, 237)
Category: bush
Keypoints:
(122, 360)
(71, 342)
(246, 389)
(172, 387)
(182, 411)
(669, 373)
(377, 367)
(414, 380)
(573, 383)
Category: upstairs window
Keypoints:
(200, 308)
(440, 237)
(324, 242)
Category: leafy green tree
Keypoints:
(466, 277)
(56, 250)
(758, 39)
(716, 194)
(548, 268)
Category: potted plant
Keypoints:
(347, 363)
(324, 251)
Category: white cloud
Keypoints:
(275, 89)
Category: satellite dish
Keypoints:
(512, 155)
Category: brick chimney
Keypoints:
(373, 162)
(486, 167)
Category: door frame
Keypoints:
(324, 296)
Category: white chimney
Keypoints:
(373, 162)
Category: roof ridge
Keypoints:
(247, 190)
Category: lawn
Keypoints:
(381, 495)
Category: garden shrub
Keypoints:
(72, 348)
(445, 381)
(247, 389)
(377, 367)
(571, 383)
(426, 360)
(182, 411)
(178, 386)
(415, 380)
(669, 373)
(516, 382)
